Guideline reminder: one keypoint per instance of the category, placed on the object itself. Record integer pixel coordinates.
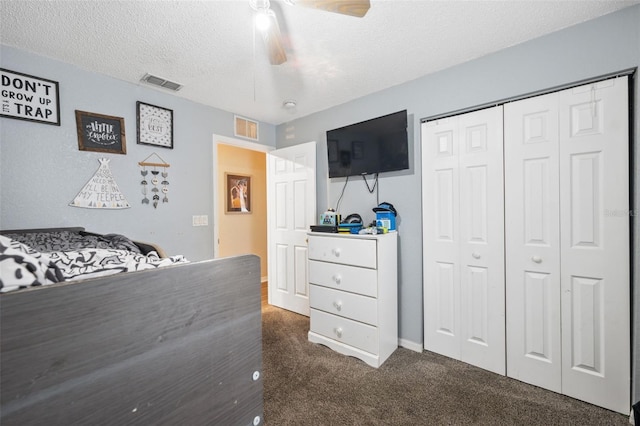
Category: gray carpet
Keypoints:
(309, 384)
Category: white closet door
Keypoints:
(482, 309)
(463, 238)
(441, 237)
(567, 242)
(532, 241)
(594, 222)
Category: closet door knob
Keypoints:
(475, 255)
(338, 331)
(337, 305)
(536, 259)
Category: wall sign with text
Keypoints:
(26, 97)
(100, 133)
(155, 125)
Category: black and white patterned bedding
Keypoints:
(66, 258)
(68, 240)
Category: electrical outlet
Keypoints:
(196, 220)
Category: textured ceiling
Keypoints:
(211, 48)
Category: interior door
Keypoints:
(463, 238)
(594, 241)
(441, 236)
(291, 186)
(482, 239)
(567, 239)
(532, 239)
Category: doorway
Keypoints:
(240, 232)
(289, 210)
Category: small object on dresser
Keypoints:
(349, 228)
(324, 228)
(386, 216)
(330, 217)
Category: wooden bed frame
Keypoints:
(173, 345)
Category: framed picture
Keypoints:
(100, 133)
(26, 97)
(154, 125)
(238, 190)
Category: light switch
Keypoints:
(200, 220)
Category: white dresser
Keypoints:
(353, 294)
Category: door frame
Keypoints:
(238, 143)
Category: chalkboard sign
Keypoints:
(26, 97)
(101, 133)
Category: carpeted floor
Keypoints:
(309, 384)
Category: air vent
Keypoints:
(158, 81)
(246, 128)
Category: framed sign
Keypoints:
(26, 97)
(154, 125)
(238, 189)
(100, 133)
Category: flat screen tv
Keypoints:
(373, 146)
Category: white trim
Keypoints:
(408, 344)
(239, 143)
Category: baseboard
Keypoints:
(408, 344)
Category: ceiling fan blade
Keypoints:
(357, 8)
(273, 41)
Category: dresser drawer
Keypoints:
(348, 305)
(348, 251)
(348, 278)
(352, 333)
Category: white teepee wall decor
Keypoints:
(101, 192)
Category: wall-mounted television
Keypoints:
(373, 146)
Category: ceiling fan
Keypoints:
(267, 22)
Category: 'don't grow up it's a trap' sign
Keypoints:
(26, 97)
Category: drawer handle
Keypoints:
(476, 255)
(337, 305)
(336, 252)
(536, 259)
(338, 331)
(337, 279)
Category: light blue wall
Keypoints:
(42, 170)
(598, 47)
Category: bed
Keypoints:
(177, 344)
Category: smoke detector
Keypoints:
(161, 82)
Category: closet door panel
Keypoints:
(594, 197)
(532, 241)
(440, 195)
(482, 239)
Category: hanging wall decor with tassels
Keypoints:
(156, 185)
